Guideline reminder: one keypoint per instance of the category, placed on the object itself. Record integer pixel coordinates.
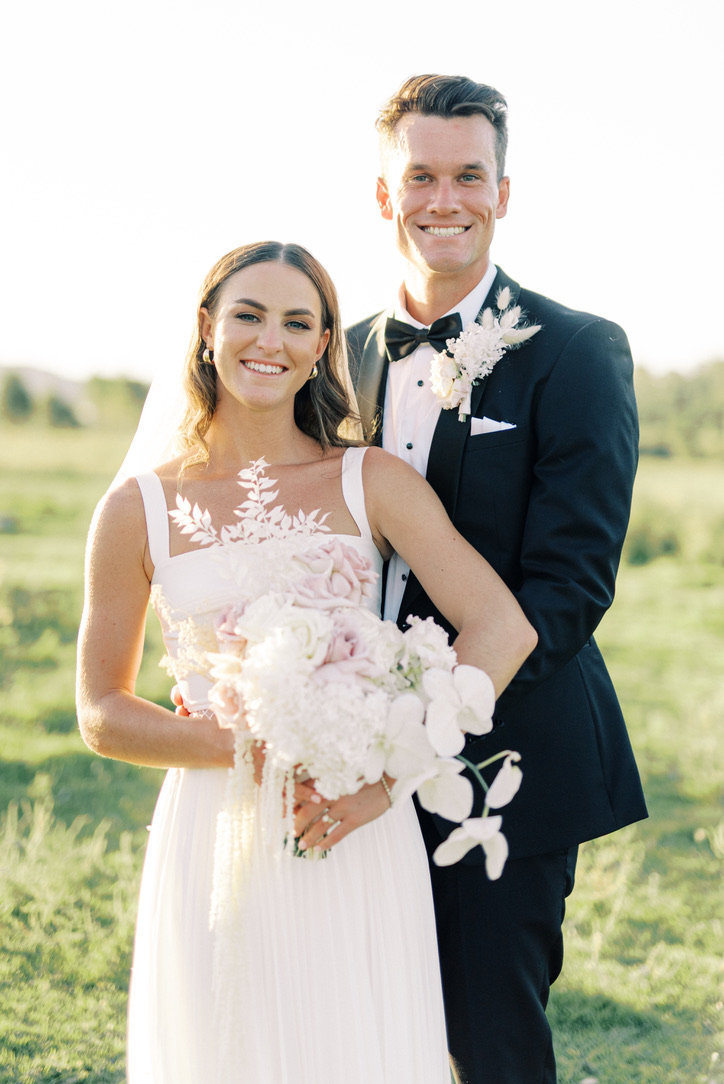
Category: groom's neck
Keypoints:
(429, 296)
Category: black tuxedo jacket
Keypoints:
(547, 504)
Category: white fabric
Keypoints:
(156, 438)
(479, 426)
(412, 411)
(340, 980)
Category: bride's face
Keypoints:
(266, 334)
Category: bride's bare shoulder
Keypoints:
(385, 468)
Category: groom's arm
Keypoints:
(586, 429)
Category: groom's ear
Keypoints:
(383, 198)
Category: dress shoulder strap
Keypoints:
(353, 490)
(154, 503)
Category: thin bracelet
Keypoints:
(388, 792)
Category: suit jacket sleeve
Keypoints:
(585, 454)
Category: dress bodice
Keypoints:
(194, 584)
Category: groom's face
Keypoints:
(441, 191)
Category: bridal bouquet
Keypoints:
(331, 691)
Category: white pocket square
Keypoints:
(488, 425)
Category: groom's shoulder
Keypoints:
(357, 336)
(539, 308)
(358, 333)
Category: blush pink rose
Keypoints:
(339, 575)
(227, 625)
(226, 701)
(347, 653)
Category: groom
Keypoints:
(539, 479)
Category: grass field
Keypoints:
(641, 996)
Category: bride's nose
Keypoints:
(269, 338)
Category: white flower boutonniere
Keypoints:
(476, 352)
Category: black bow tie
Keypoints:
(401, 339)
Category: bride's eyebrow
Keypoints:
(262, 308)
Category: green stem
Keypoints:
(476, 768)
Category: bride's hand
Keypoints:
(323, 823)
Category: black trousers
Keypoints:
(501, 948)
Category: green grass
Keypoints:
(640, 998)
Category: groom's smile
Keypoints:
(445, 231)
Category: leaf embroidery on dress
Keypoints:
(257, 522)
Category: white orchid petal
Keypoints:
(452, 796)
(475, 687)
(455, 847)
(506, 783)
(482, 828)
(496, 854)
(444, 735)
(476, 724)
(438, 683)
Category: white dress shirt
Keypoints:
(412, 410)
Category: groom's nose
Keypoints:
(443, 197)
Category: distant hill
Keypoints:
(40, 383)
(97, 400)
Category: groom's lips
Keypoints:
(444, 231)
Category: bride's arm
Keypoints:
(406, 515)
(113, 721)
(493, 632)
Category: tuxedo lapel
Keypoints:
(372, 379)
(500, 281)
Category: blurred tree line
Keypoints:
(681, 414)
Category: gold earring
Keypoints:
(314, 372)
(208, 356)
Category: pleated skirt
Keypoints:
(330, 975)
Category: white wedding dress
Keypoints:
(336, 968)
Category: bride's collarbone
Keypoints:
(313, 486)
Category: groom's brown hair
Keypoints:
(447, 96)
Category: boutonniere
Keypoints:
(475, 353)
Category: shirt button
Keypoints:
(404, 577)
(409, 446)
(421, 383)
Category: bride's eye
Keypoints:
(247, 317)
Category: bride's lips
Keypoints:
(265, 368)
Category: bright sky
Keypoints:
(144, 139)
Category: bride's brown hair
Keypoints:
(324, 407)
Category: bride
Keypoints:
(330, 974)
